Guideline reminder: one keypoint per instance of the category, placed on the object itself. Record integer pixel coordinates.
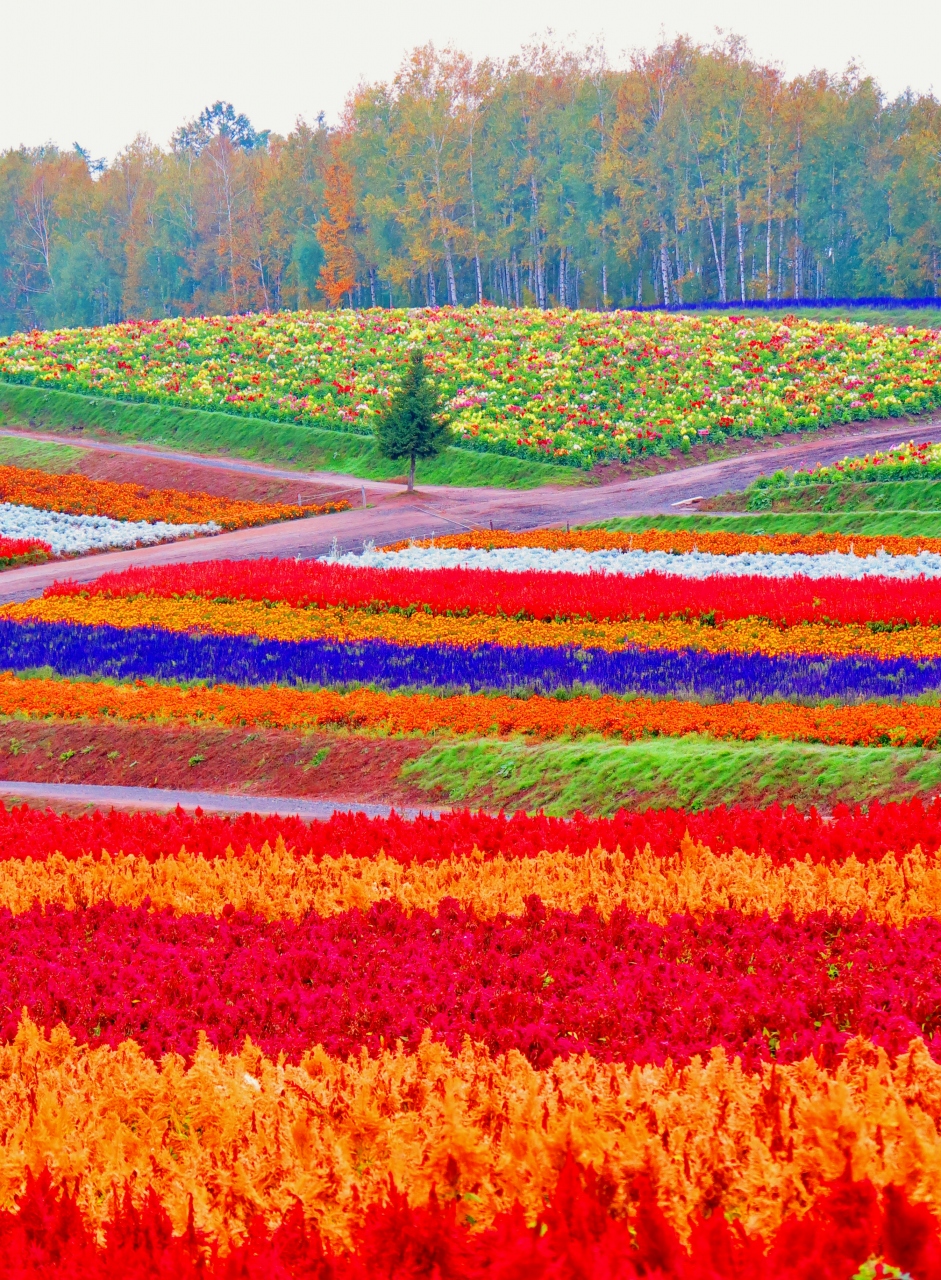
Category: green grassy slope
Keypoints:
(902, 495)
(258, 440)
(39, 454)
(874, 524)
(600, 776)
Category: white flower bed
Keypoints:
(68, 534)
(694, 564)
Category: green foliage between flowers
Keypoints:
(875, 524)
(895, 496)
(256, 439)
(42, 455)
(600, 776)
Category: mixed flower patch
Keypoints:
(906, 462)
(14, 551)
(574, 387)
(667, 1043)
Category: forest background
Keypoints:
(551, 179)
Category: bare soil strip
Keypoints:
(185, 758)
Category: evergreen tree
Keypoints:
(413, 425)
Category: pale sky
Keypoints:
(98, 72)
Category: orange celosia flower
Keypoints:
(79, 495)
(718, 542)
(228, 1137)
(278, 883)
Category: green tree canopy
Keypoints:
(413, 425)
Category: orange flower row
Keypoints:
(475, 715)
(226, 1138)
(277, 883)
(280, 621)
(78, 495)
(680, 540)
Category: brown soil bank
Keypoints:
(183, 757)
(159, 473)
(592, 775)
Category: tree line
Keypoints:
(551, 179)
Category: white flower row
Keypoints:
(693, 564)
(68, 534)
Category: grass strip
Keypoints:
(920, 317)
(848, 496)
(39, 455)
(885, 524)
(258, 440)
(599, 776)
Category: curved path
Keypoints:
(438, 509)
(154, 798)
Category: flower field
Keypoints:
(574, 387)
(908, 462)
(699, 1042)
(71, 514)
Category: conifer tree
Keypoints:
(413, 425)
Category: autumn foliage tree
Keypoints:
(693, 173)
(334, 232)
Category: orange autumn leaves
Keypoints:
(479, 715)
(79, 495)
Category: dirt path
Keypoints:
(438, 509)
(238, 466)
(65, 795)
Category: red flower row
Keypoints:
(788, 601)
(23, 551)
(785, 835)
(575, 1236)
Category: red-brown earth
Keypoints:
(274, 762)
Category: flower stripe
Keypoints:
(855, 724)
(548, 983)
(281, 622)
(847, 1221)
(80, 495)
(682, 541)
(697, 565)
(73, 535)
(541, 595)
(784, 835)
(23, 551)
(235, 1136)
(278, 884)
(135, 652)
